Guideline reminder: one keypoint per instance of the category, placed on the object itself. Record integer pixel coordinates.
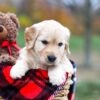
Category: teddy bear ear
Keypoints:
(14, 19)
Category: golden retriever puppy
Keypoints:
(47, 45)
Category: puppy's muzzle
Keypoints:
(51, 58)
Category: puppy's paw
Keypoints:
(17, 72)
(57, 80)
(56, 77)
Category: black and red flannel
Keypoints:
(33, 86)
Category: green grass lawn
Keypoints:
(88, 91)
(77, 43)
(20, 38)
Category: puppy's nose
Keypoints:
(1, 29)
(51, 58)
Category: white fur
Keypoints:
(33, 60)
(23, 64)
(57, 75)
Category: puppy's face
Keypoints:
(49, 41)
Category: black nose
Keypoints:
(51, 58)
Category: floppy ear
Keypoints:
(14, 19)
(30, 37)
(67, 50)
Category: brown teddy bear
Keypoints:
(9, 26)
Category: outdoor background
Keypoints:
(82, 17)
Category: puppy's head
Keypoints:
(49, 40)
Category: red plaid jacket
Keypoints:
(33, 86)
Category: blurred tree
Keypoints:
(7, 8)
(25, 21)
(26, 7)
(88, 32)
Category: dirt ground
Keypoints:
(89, 74)
(84, 73)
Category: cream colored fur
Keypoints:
(34, 54)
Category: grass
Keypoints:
(20, 38)
(77, 43)
(88, 91)
(96, 43)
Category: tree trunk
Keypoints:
(87, 23)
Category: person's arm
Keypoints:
(71, 94)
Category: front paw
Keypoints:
(56, 80)
(16, 73)
(56, 77)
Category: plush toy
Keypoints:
(9, 25)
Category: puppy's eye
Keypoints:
(60, 44)
(44, 42)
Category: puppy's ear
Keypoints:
(30, 37)
(67, 50)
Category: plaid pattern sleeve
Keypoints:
(72, 88)
(33, 86)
